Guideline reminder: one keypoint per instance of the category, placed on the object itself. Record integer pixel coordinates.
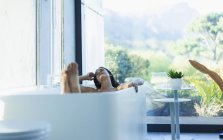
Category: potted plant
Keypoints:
(175, 78)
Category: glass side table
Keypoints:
(174, 111)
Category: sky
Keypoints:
(126, 7)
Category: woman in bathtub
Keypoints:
(103, 79)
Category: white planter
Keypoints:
(176, 83)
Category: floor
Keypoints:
(184, 136)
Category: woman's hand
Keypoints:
(89, 76)
(136, 82)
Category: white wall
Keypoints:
(17, 43)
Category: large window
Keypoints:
(50, 44)
(35, 44)
(147, 38)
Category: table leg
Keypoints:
(177, 115)
(172, 115)
(177, 122)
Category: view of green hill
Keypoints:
(148, 45)
(135, 31)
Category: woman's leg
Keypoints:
(70, 79)
(65, 88)
(73, 77)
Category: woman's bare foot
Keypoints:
(73, 78)
(70, 79)
(65, 88)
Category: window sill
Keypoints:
(185, 120)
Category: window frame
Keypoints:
(78, 35)
(187, 123)
(44, 37)
(45, 62)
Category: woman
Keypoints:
(103, 79)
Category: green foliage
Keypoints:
(204, 42)
(124, 65)
(187, 47)
(208, 30)
(210, 103)
(117, 61)
(140, 66)
(208, 25)
(174, 74)
(159, 61)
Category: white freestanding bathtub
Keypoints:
(116, 115)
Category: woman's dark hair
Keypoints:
(113, 81)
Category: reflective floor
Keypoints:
(184, 136)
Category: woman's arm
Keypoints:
(123, 86)
(88, 89)
(134, 83)
(88, 76)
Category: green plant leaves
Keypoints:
(210, 103)
(174, 74)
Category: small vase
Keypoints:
(176, 83)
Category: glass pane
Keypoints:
(18, 43)
(161, 35)
(58, 19)
(57, 43)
